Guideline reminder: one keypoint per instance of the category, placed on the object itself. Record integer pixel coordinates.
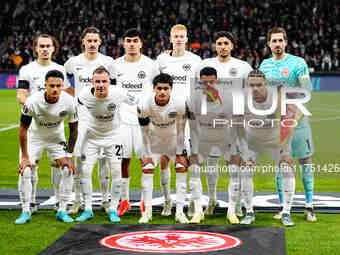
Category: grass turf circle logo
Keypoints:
(170, 241)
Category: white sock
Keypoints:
(76, 180)
(234, 187)
(196, 186)
(65, 188)
(288, 187)
(26, 189)
(56, 179)
(165, 182)
(181, 181)
(115, 168)
(147, 189)
(34, 180)
(86, 185)
(125, 189)
(212, 176)
(247, 188)
(104, 178)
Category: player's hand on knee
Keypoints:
(286, 159)
(181, 163)
(235, 160)
(25, 162)
(66, 162)
(193, 159)
(148, 165)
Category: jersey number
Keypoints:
(119, 149)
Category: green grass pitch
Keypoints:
(321, 237)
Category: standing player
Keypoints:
(208, 140)
(232, 74)
(133, 72)
(101, 103)
(292, 71)
(182, 66)
(49, 109)
(31, 80)
(162, 117)
(81, 67)
(262, 135)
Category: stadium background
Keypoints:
(313, 29)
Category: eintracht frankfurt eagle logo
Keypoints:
(186, 67)
(170, 241)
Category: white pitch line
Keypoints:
(8, 128)
(323, 119)
(324, 109)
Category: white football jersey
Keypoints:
(82, 69)
(231, 75)
(163, 119)
(49, 118)
(182, 69)
(103, 113)
(212, 125)
(262, 129)
(32, 76)
(136, 79)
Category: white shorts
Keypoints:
(96, 151)
(163, 146)
(131, 139)
(213, 149)
(56, 148)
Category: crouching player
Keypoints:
(262, 135)
(101, 104)
(48, 108)
(162, 118)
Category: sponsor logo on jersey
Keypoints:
(105, 117)
(119, 74)
(35, 78)
(172, 114)
(62, 114)
(186, 67)
(86, 79)
(141, 75)
(163, 125)
(171, 241)
(285, 72)
(78, 68)
(233, 71)
(111, 107)
(130, 85)
(179, 78)
(49, 124)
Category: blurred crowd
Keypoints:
(313, 27)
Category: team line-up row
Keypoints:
(135, 103)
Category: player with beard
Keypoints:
(292, 71)
(262, 135)
(132, 72)
(182, 66)
(81, 68)
(32, 80)
(232, 74)
(48, 109)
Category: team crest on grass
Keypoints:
(171, 241)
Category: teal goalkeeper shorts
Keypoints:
(302, 143)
